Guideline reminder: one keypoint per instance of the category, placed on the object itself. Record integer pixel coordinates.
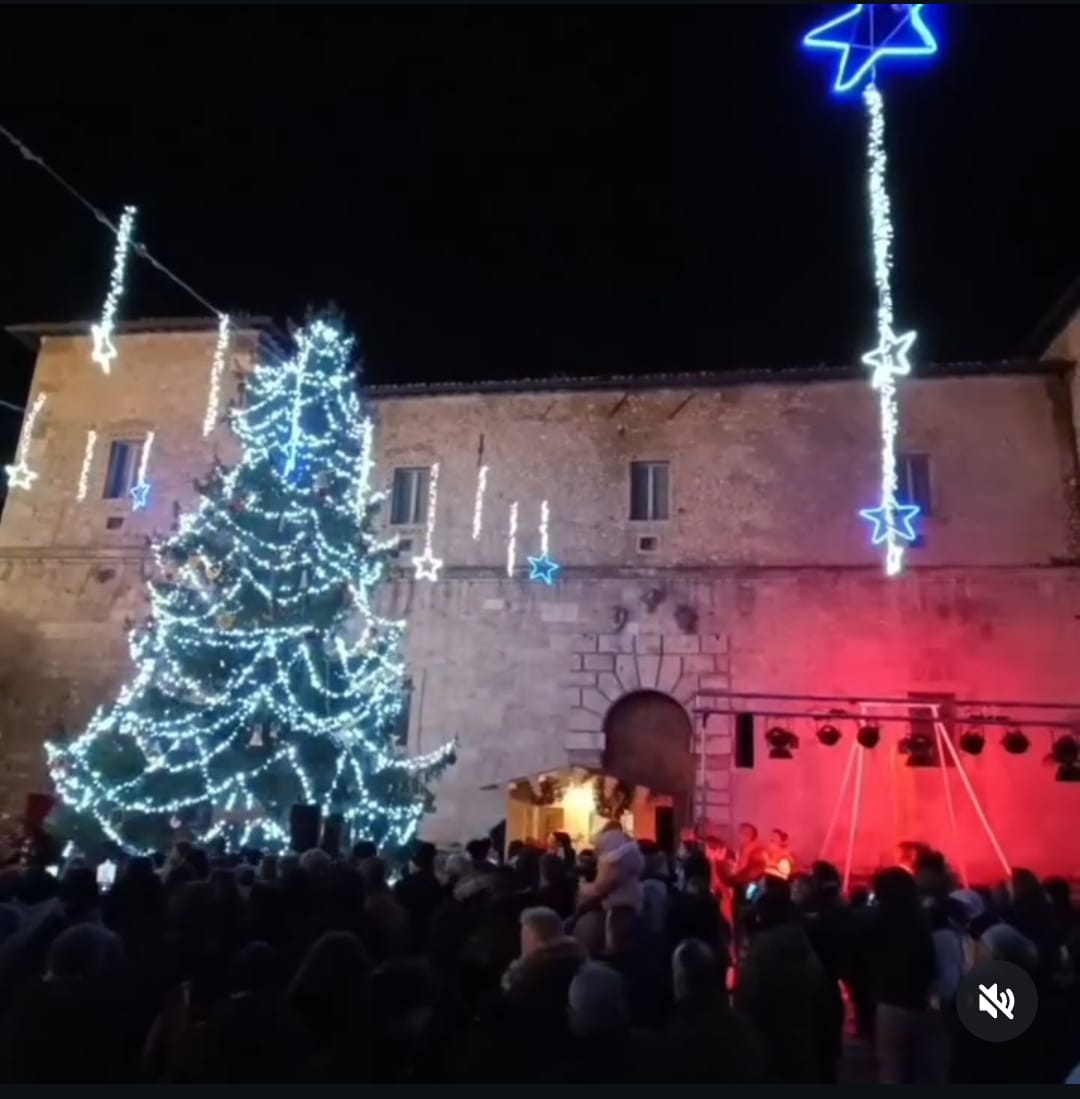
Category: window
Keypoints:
(913, 481)
(408, 501)
(649, 490)
(123, 468)
(923, 745)
(401, 723)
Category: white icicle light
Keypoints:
(141, 489)
(87, 464)
(892, 520)
(217, 369)
(19, 474)
(478, 503)
(427, 565)
(511, 541)
(104, 349)
(545, 515)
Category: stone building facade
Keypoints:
(756, 577)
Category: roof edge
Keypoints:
(705, 379)
(31, 335)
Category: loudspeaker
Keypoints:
(744, 740)
(303, 827)
(333, 834)
(38, 807)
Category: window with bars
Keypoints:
(123, 468)
(650, 484)
(409, 496)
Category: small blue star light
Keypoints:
(139, 493)
(898, 519)
(867, 34)
(543, 568)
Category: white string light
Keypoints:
(217, 369)
(102, 333)
(19, 474)
(141, 489)
(87, 463)
(478, 503)
(427, 565)
(543, 568)
(297, 367)
(892, 520)
(511, 541)
(258, 591)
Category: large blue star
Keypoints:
(543, 568)
(897, 520)
(855, 34)
(139, 494)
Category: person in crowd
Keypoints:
(585, 866)
(558, 886)
(641, 966)
(902, 961)
(390, 922)
(655, 890)
(1029, 910)
(779, 860)
(749, 868)
(480, 856)
(695, 912)
(706, 1039)
(536, 983)
(419, 892)
(619, 867)
(559, 843)
(784, 991)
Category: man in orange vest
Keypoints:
(779, 861)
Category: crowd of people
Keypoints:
(613, 964)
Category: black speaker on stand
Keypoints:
(303, 827)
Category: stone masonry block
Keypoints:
(594, 701)
(608, 683)
(583, 643)
(583, 741)
(714, 643)
(717, 798)
(681, 643)
(599, 662)
(717, 681)
(627, 671)
(575, 662)
(685, 690)
(647, 643)
(648, 670)
(719, 745)
(668, 674)
(579, 679)
(584, 721)
(698, 665)
(616, 643)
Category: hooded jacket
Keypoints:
(618, 876)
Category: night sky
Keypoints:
(498, 192)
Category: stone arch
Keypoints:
(648, 741)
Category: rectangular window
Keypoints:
(649, 486)
(923, 742)
(123, 468)
(401, 724)
(408, 500)
(913, 482)
(744, 740)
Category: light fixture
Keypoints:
(972, 740)
(1015, 743)
(829, 735)
(781, 742)
(868, 736)
(1065, 752)
(1067, 773)
(919, 748)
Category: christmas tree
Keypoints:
(263, 677)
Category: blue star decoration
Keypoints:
(139, 494)
(857, 35)
(543, 568)
(897, 519)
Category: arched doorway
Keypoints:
(647, 742)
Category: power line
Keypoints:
(138, 248)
